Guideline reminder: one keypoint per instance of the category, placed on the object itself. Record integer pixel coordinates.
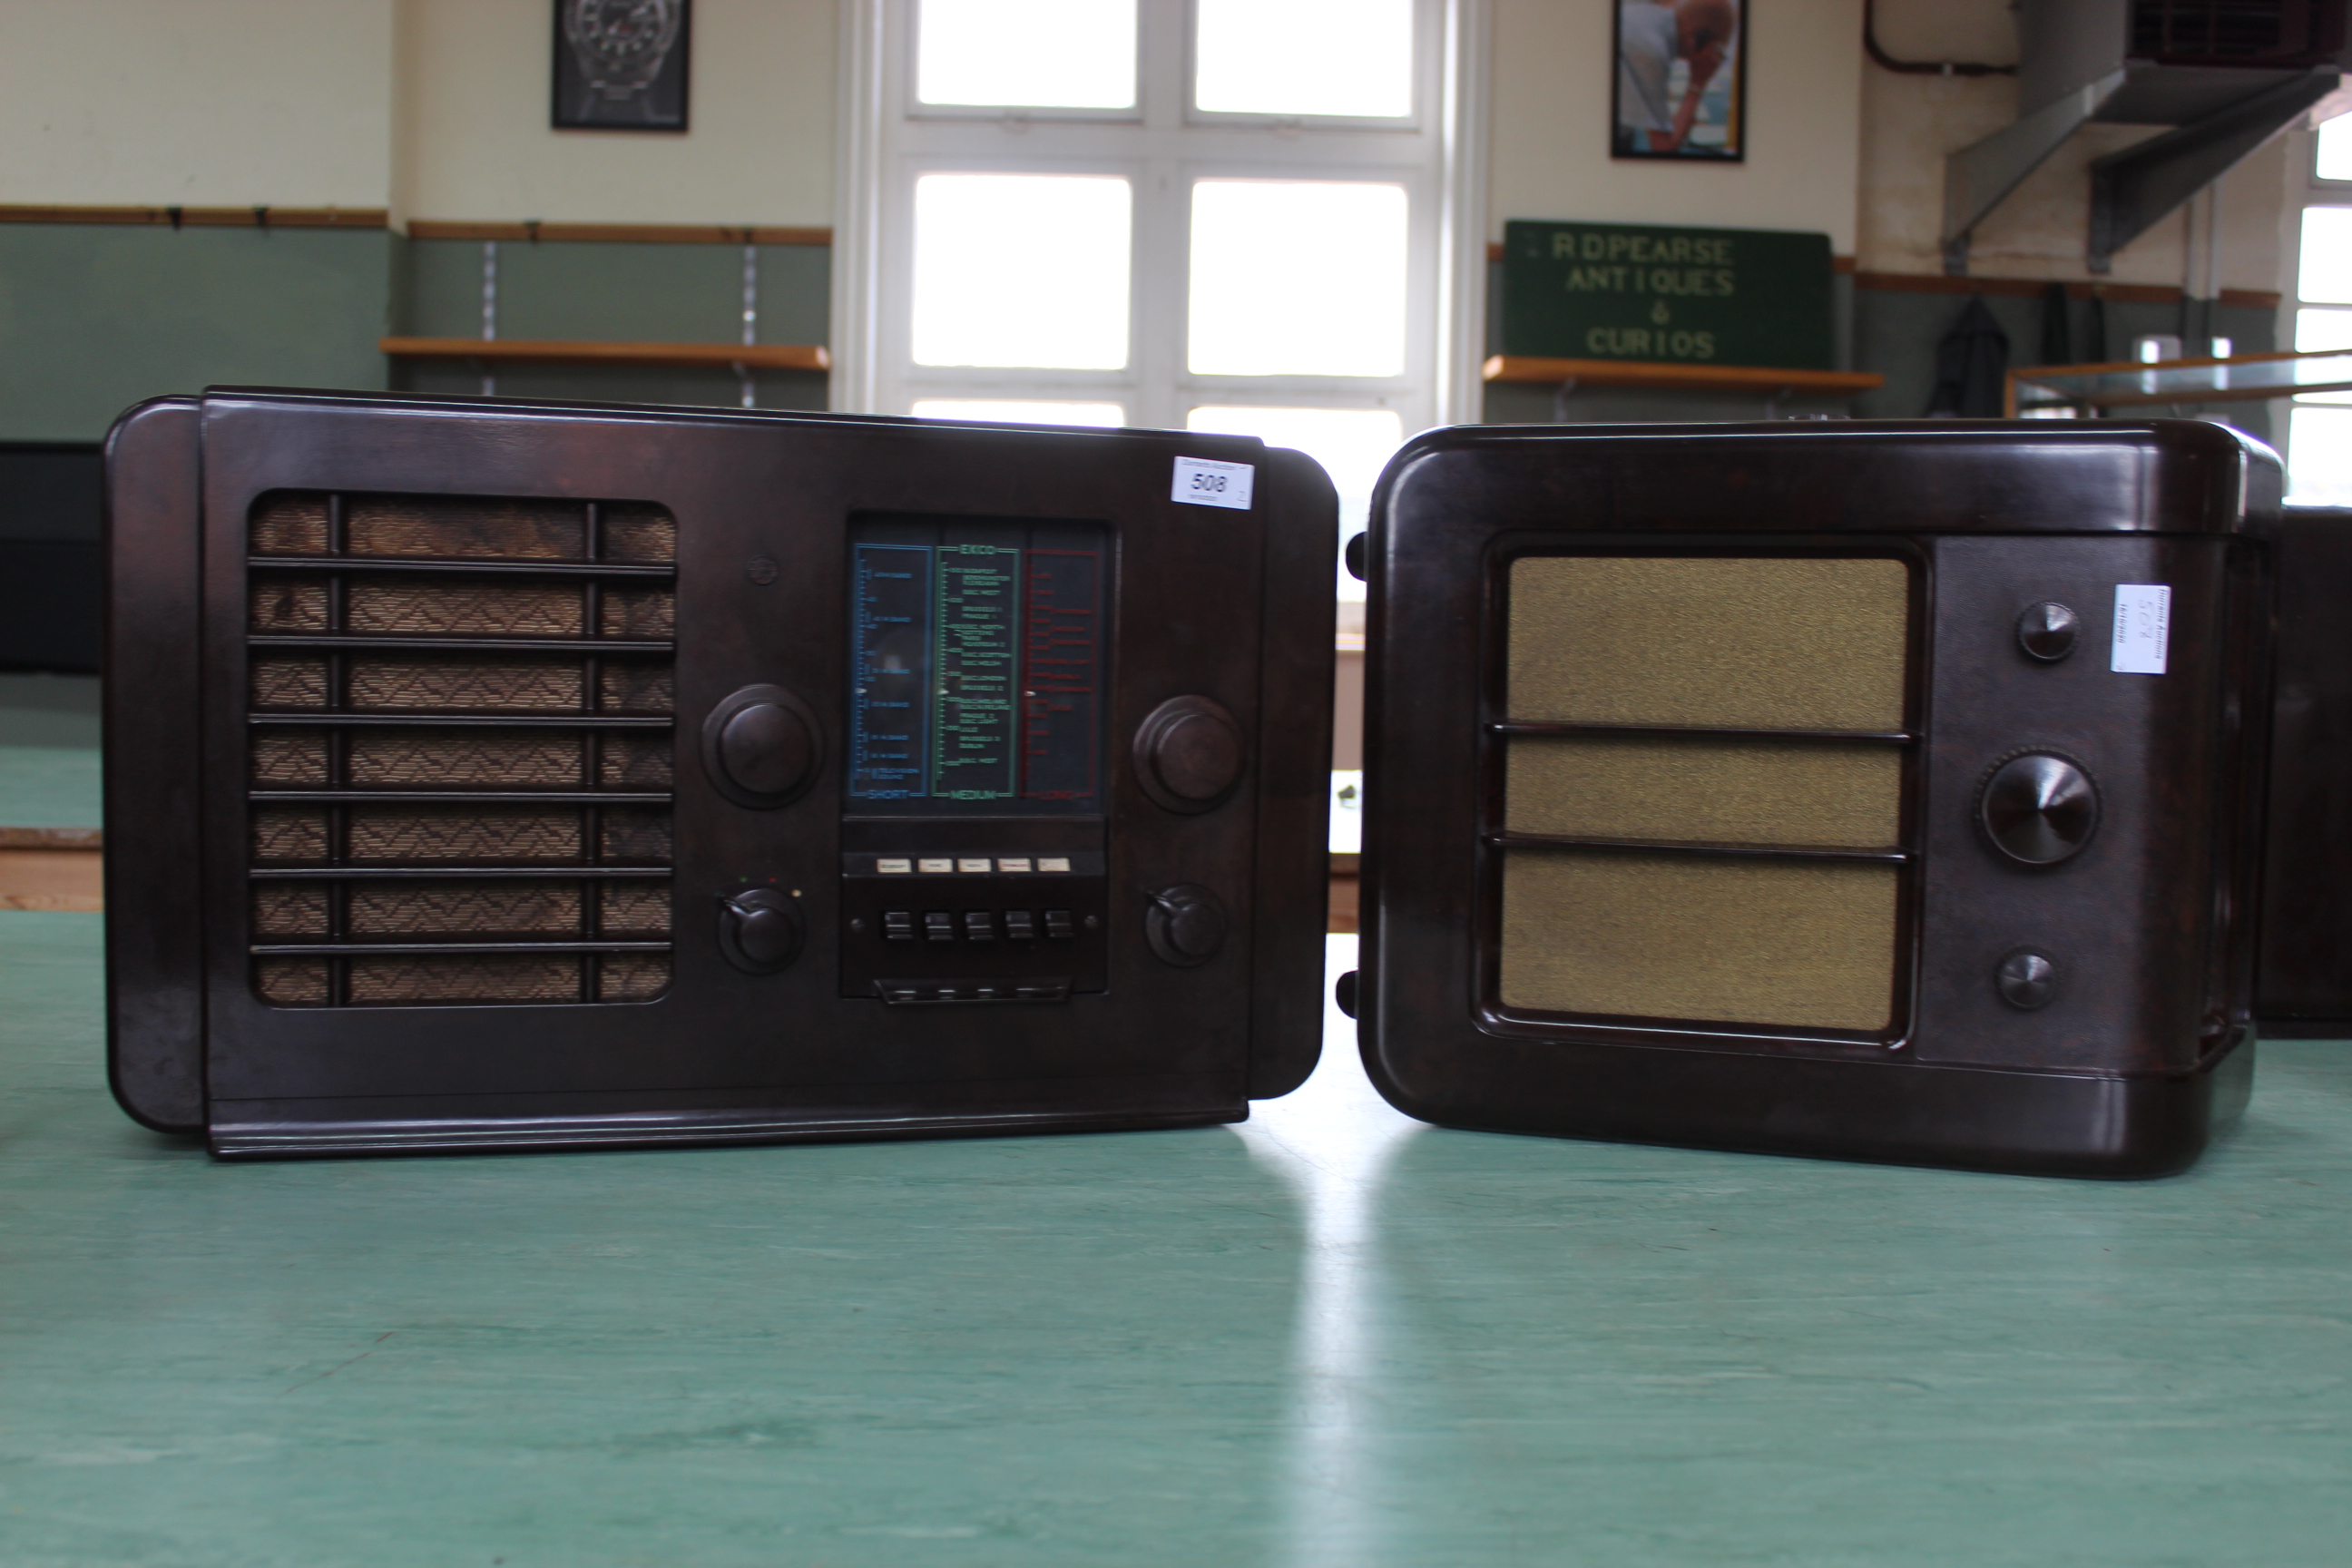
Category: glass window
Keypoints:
(1012, 411)
(1022, 270)
(2326, 270)
(1338, 57)
(2336, 149)
(1031, 54)
(2321, 441)
(1298, 278)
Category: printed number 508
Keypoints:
(1201, 481)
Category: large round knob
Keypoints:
(760, 746)
(1189, 753)
(759, 931)
(2038, 809)
(1186, 924)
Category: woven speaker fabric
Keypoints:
(1740, 642)
(1788, 944)
(1704, 789)
(362, 900)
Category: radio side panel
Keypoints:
(1294, 788)
(155, 944)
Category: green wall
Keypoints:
(648, 293)
(94, 318)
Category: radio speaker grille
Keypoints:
(439, 819)
(1703, 789)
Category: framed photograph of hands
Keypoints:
(1681, 86)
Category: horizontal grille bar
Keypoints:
(456, 873)
(427, 642)
(1727, 732)
(456, 568)
(526, 720)
(455, 797)
(1766, 851)
(442, 948)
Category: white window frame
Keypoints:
(2316, 193)
(887, 141)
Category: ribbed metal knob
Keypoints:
(2048, 631)
(2026, 980)
(2038, 809)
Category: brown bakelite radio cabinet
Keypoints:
(2304, 985)
(498, 775)
(1885, 791)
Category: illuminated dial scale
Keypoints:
(973, 825)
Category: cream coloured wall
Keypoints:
(1550, 124)
(1909, 122)
(196, 102)
(474, 141)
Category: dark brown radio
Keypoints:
(1877, 791)
(2303, 986)
(490, 775)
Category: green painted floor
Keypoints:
(1330, 1336)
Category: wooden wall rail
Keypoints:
(552, 351)
(203, 217)
(534, 232)
(1686, 377)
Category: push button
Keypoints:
(979, 925)
(897, 925)
(939, 925)
(1057, 924)
(1019, 925)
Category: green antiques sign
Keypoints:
(1682, 296)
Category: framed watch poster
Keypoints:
(621, 64)
(1681, 85)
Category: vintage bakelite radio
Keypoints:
(1883, 790)
(2302, 986)
(500, 775)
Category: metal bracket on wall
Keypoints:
(2133, 190)
(1979, 177)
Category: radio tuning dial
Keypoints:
(2038, 809)
(1186, 924)
(759, 931)
(760, 746)
(1189, 753)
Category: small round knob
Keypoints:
(2038, 809)
(760, 746)
(1343, 993)
(759, 931)
(1189, 753)
(1186, 925)
(2048, 631)
(2026, 980)
(1356, 556)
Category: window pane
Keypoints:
(1352, 443)
(2336, 149)
(2327, 254)
(2323, 330)
(1036, 54)
(1293, 277)
(1021, 270)
(1005, 411)
(1305, 56)
(2319, 456)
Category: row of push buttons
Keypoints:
(977, 925)
(897, 867)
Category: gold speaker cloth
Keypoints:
(1737, 642)
(1700, 789)
(1796, 944)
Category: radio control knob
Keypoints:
(2038, 809)
(1189, 753)
(760, 746)
(759, 931)
(1186, 925)
(2048, 631)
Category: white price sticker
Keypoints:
(2143, 627)
(1204, 483)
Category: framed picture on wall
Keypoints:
(620, 65)
(1681, 87)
